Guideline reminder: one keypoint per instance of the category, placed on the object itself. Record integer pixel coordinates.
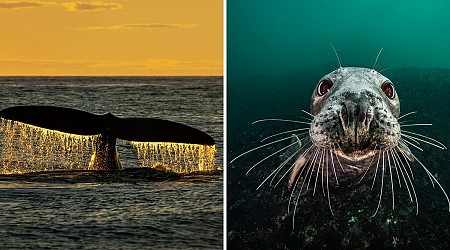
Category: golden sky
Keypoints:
(128, 37)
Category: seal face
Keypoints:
(355, 111)
(355, 115)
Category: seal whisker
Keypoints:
(328, 188)
(322, 168)
(267, 157)
(405, 115)
(404, 122)
(410, 183)
(296, 202)
(416, 142)
(306, 112)
(370, 164)
(310, 164)
(423, 136)
(376, 59)
(311, 168)
(392, 181)
(376, 170)
(287, 132)
(396, 167)
(295, 208)
(262, 146)
(334, 169)
(416, 135)
(427, 142)
(416, 124)
(381, 188)
(339, 61)
(293, 164)
(276, 171)
(406, 158)
(287, 160)
(432, 178)
(342, 168)
(299, 176)
(292, 192)
(401, 167)
(318, 168)
(280, 120)
(384, 70)
(410, 143)
(306, 118)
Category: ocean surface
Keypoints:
(133, 209)
(277, 52)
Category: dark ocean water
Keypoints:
(85, 210)
(277, 52)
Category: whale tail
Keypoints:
(75, 129)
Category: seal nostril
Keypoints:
(348, 111)
(364, 114)
(344, 116)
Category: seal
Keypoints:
(355, 113)
(353, 134)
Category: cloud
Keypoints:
(14, 5)
(71, 5)
(91, 6)
(139, 26)
(157, 64)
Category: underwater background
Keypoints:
(276, 53)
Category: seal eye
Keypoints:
(324, 86)
(388, 89)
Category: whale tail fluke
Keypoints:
(80, 122)
(150, 137)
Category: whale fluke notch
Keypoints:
(107, 128)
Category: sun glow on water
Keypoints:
(176, 157)
(27, 148)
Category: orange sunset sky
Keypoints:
(129, 37)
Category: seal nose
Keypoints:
(355, 111)
(355, 118)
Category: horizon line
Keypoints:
(111, 75)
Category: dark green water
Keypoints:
(277, 51)
(271, 37)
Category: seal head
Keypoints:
(355, 112)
